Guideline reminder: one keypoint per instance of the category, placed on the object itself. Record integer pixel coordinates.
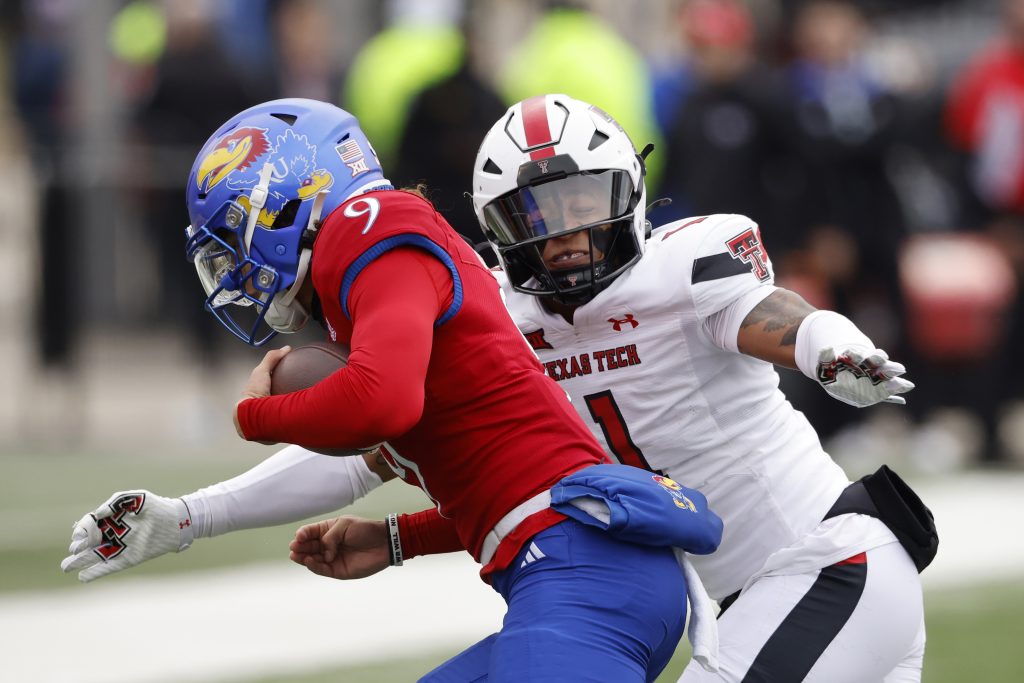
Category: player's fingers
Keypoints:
(272, 358)
(826, 355)
(300, 557)
(898, 400)
(97, 571)
(79, 545)
(78, 561)
(853, 356)
(305, 547)
(86, 529)
(876, 358)
(335, 534)
(317, 567)
(308, 533)
(107, 509)
(890, 369)
(898, 385)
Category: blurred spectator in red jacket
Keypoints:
(985, 116)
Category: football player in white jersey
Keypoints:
(661, 339)
(665, 342)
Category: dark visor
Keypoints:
(559, 206)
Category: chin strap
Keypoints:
(285, 313)
(257, 200)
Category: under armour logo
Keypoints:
(617, 324)
(532, 555)
(543, 165)
(182, 525)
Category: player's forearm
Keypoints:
(769, 331)
(291, 485)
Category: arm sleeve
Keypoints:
(427, 533)
(290, 485)
(379, 395)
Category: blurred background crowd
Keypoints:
(878, 143)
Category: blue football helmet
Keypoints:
(255, 196)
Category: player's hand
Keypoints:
(128, 529)
(258, 385)
(861, 376)
(342, 548)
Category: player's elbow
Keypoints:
(390, 416)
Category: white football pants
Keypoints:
(859, 621)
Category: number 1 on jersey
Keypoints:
(606, 413)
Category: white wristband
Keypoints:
(822, 330)
(394, 541)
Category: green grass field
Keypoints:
(973, 632)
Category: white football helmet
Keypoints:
(551, 167)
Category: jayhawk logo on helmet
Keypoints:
(239, 156)
(237, 150)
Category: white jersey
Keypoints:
(642, 368)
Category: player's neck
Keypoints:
(564, 310)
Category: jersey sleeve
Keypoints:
(379, 394)
(730, 263)
(427, 533)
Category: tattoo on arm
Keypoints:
(782, 311)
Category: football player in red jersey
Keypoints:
(292, 218)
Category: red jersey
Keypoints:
(492, 431)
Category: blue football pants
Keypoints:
(582, 607)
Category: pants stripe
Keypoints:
(809, 628)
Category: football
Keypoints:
(304, 366)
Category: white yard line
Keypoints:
(235, 624)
